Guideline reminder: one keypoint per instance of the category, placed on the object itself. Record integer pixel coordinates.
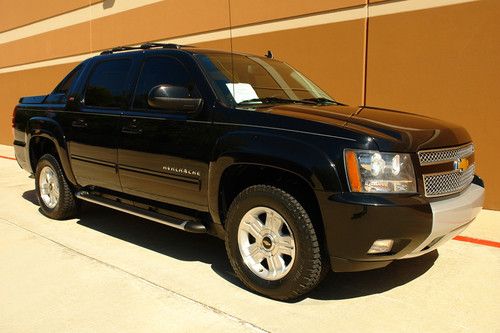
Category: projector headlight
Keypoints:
(376, 172)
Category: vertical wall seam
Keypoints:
(231, 42)
(90, 27)
(230, 26)
(365, 55)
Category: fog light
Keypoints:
(381, 246)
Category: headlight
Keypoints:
(373, 171)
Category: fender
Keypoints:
(270, 150)
(50, 129)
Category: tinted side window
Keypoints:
(67, 82)
(107, 85)
(160, 70)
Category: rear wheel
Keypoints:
(54, 194)
(272, 244)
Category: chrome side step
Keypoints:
(186, 225)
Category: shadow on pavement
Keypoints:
(155, 236)
(31, 197)
(351, 285)
(211, 250)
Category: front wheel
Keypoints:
(272, 244)
(54, 194)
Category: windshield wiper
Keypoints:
(271, 100)
(321, 100)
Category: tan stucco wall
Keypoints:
(19, 13)
(441, 62)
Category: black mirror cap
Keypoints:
(173, 98)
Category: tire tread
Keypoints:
(67, 205)
(316, 265)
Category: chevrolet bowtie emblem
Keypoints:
(461, 164)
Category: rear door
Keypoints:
(92, 129)
(164, 155)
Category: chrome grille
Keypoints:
(437, 156)
(448, 182)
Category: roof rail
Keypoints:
(119, 49)
(145, 46)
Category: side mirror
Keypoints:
(173, 98)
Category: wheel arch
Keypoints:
(267, 152)
(239, 176)
(45, 135)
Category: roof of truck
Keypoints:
(170, 46)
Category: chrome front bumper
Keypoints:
(450, 217)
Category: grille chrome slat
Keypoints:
(438, 156)
(448, 182)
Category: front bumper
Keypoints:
(450, 217)
(354, 221)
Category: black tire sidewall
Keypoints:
(59, 211)
(296, 220)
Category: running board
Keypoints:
(186, 225)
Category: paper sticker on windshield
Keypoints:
(241, 91)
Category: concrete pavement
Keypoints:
(110, 271)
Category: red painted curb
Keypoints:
(8, 158)
(477, 241)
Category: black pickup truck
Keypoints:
(248, 149)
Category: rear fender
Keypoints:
(50, 129)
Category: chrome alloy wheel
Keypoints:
(266, 243)
(49, 187)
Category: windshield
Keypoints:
(248, 80)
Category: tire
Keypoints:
(292, 262)
(54, 194)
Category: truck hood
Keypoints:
(391, 130)
(401, 131)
